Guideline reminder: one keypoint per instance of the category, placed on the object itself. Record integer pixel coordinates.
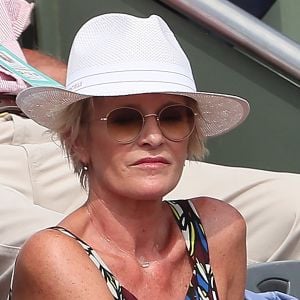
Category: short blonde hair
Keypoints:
(71, 123)
(196, 147)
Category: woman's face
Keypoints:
(147, 168)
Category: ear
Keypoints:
(78, 148)
(79, 151)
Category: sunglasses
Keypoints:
(176, 122)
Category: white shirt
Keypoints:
(14, 19)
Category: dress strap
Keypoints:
(117, 291)
(202, 285)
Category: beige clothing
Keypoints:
(38, 188)
(32, 162)
(36, 182)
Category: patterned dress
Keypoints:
(202, 285)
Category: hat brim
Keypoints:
(221, 112)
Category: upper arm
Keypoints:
(225, 229)
(53, 266)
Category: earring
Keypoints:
(85, 168)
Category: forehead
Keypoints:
(140, 101)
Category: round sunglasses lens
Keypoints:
(177, 122)
(124, 124)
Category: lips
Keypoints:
(151, 161)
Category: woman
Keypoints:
(129, 118)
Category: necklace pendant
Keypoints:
(145, 264)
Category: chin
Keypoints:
(153, 191)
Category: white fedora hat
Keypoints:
(119, 54)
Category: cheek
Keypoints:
(181, 150)
(108, 170)
(106, 159)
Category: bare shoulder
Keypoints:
(54, 266)
(225, 229)
(217, 216)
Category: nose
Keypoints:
(151, 133)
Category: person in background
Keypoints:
(34, 173)
(129, 118)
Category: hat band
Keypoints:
(132, 81)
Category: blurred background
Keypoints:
(246, 48)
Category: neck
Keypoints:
(142, 229)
